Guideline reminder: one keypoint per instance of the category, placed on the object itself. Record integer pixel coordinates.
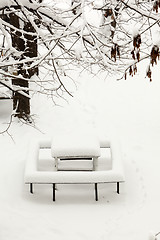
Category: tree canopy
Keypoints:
(111, 36)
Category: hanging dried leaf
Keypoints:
(133, 54)
(137, 41)
(154, 54)
(149, 73)
(113, 53)
(118, 51)
(135, 69)
(130, 71)
(108, 12)
(138, 56)
(125, 76)
(156, 6)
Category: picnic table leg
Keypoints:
(96, 192)
(31, 188)
(118, 187)
(54, 188)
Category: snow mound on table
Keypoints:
(75, 145)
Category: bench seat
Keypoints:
(62, 177)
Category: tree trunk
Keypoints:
(27, 45)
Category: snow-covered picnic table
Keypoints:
(72, 147)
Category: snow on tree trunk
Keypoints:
(27, 46)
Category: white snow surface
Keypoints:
(132, 107)
(75, 145)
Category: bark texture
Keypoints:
(26, 45)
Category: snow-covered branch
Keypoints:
(114, 36)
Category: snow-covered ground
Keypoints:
(132, 108)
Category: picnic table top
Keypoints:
(75, 145)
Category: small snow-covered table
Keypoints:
(75, 146)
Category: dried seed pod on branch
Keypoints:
(125, 75)
(115, 51)
(156, 5)
(136, 44)
(130, 71)
(137, 41)
(108, 12)
(135, 69)
(118, 51)
(149, 73)
(154, 54)
(138, 55)
(133, 54)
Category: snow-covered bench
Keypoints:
(35, 176)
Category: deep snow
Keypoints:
(132, 108)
